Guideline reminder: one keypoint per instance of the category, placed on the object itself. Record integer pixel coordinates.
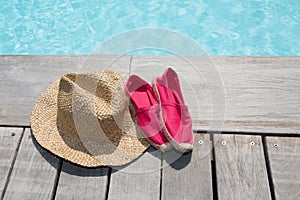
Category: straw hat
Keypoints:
(85, 118)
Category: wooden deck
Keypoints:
(254, 154)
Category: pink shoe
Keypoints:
(147, 109)
(174, 116)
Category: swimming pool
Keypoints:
(220, 27)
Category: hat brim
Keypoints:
(45, 130)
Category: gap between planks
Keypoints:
(17, 133)
(265, 150)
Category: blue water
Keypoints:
(220, 27)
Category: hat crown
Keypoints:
(90, 110)
(99, 92)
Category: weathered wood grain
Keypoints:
(284, 157)
(9, 140)
(76, 182)
(242, 94)
(137, 180)
(34, 172)
(188, 176)
(241, 167)
(23, 78)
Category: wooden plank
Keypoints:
(241, 168)
(34, 172)
(284, 157)
(23, 78)
(76, 182)
(258, 94)
(188, 176)
(9, 140)
(137, 180)
(262, 93)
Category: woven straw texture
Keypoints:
(85, 118)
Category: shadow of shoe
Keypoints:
(176, 159)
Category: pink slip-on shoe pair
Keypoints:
(161, 112)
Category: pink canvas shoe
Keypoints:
(174, 116)
(147, 109)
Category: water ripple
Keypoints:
(221, 27)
